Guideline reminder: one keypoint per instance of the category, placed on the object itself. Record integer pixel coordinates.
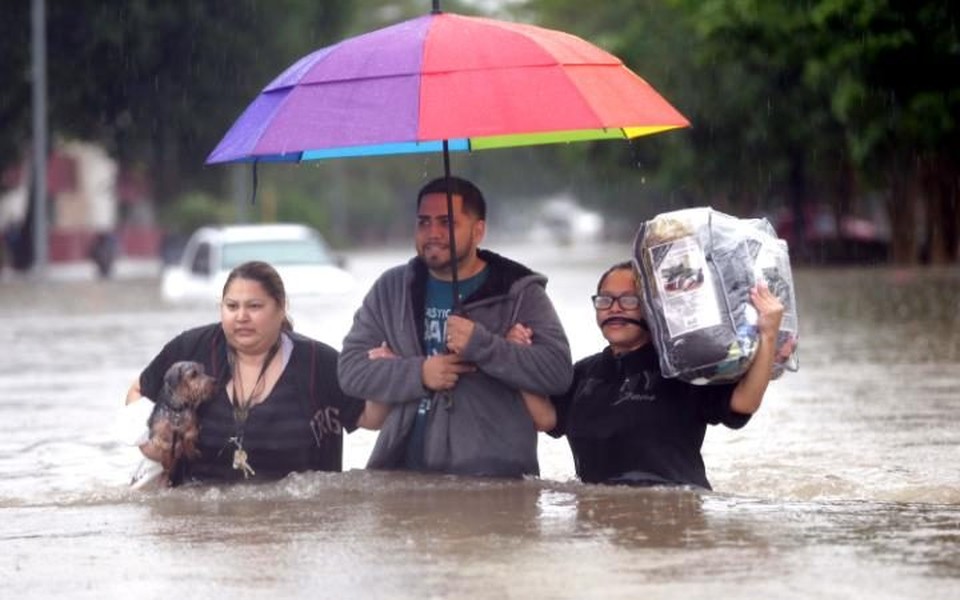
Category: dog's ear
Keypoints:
(178, 374)
(173, 376)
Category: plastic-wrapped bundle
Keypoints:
(697, 267)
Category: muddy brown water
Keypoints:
(846, 484)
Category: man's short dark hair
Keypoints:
(473, 202)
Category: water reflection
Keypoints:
(644, 518)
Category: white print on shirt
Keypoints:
(628, 390)
(325, 421)
(435, 328)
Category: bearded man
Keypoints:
(447, 369)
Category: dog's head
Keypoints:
(185, 385)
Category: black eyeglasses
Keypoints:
(626, 301)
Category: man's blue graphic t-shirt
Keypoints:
(439, 303)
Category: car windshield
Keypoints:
(276, 252)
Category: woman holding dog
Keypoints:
(277, 406)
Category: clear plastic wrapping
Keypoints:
(697, 267)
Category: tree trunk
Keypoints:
(797, 192)
(941, 185)
(902, 208)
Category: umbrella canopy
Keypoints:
(445, 82)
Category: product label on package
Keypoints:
(685, 286)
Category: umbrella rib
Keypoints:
(552, 65)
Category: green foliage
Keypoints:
(896, 71)
(159, 82)
(194, 210)
(297, 206)
(15, 73)
(374, 14)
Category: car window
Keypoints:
(201, 260)
(276, 252)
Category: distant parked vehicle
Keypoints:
(299, 253)
(564, 221)
(832, 239)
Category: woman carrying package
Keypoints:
(625, 422)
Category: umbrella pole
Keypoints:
(453, 241)
(253, 191)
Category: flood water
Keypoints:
(846, 484)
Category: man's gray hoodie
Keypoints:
(481, 426)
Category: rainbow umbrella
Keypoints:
(445, 83)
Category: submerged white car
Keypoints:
(299, 253)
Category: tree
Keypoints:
(894, 70)
(158, 83)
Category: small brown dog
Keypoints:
(173, 423)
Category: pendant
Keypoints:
(240, 463)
